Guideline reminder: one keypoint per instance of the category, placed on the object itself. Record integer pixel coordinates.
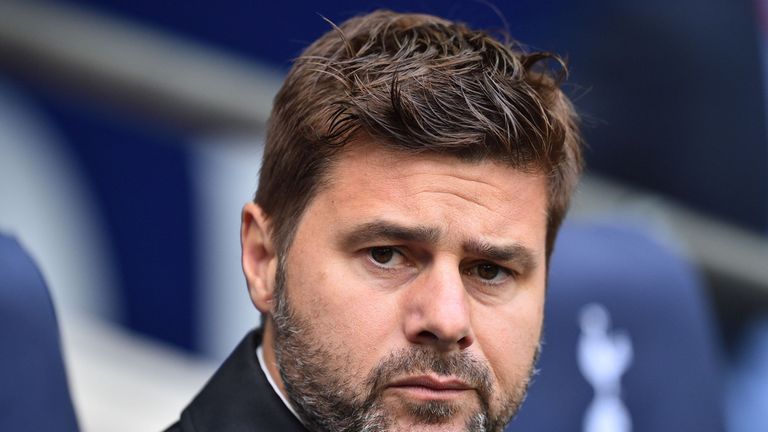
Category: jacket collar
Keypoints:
(239, 398)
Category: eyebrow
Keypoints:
(382, 230)
(515, 252)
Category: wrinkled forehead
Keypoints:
(488, 197)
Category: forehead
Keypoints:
(370, 181)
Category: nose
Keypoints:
(438, 310)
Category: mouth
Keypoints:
(431, 387)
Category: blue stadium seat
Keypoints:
(629, 341)
(34, 395)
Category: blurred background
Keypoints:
(131, 134)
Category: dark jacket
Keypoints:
(238, 398)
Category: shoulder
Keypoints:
(238, 398)
(176, 427)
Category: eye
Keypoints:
(386, 256)
(382, 255)
(490, 273)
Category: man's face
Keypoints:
(412, 295)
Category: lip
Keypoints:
(430, 387)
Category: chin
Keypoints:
(437, 416)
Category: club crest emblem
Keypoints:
(604, 355)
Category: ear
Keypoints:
(258, 257)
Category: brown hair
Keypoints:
(416, 83)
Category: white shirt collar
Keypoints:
(263, 364)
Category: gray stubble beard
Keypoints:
(326, 399)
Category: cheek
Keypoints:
(509, 339)
(348, 315)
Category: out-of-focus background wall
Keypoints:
(131, 134)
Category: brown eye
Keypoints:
(382, 255)
(488, 271)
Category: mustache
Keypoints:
(424, 360)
